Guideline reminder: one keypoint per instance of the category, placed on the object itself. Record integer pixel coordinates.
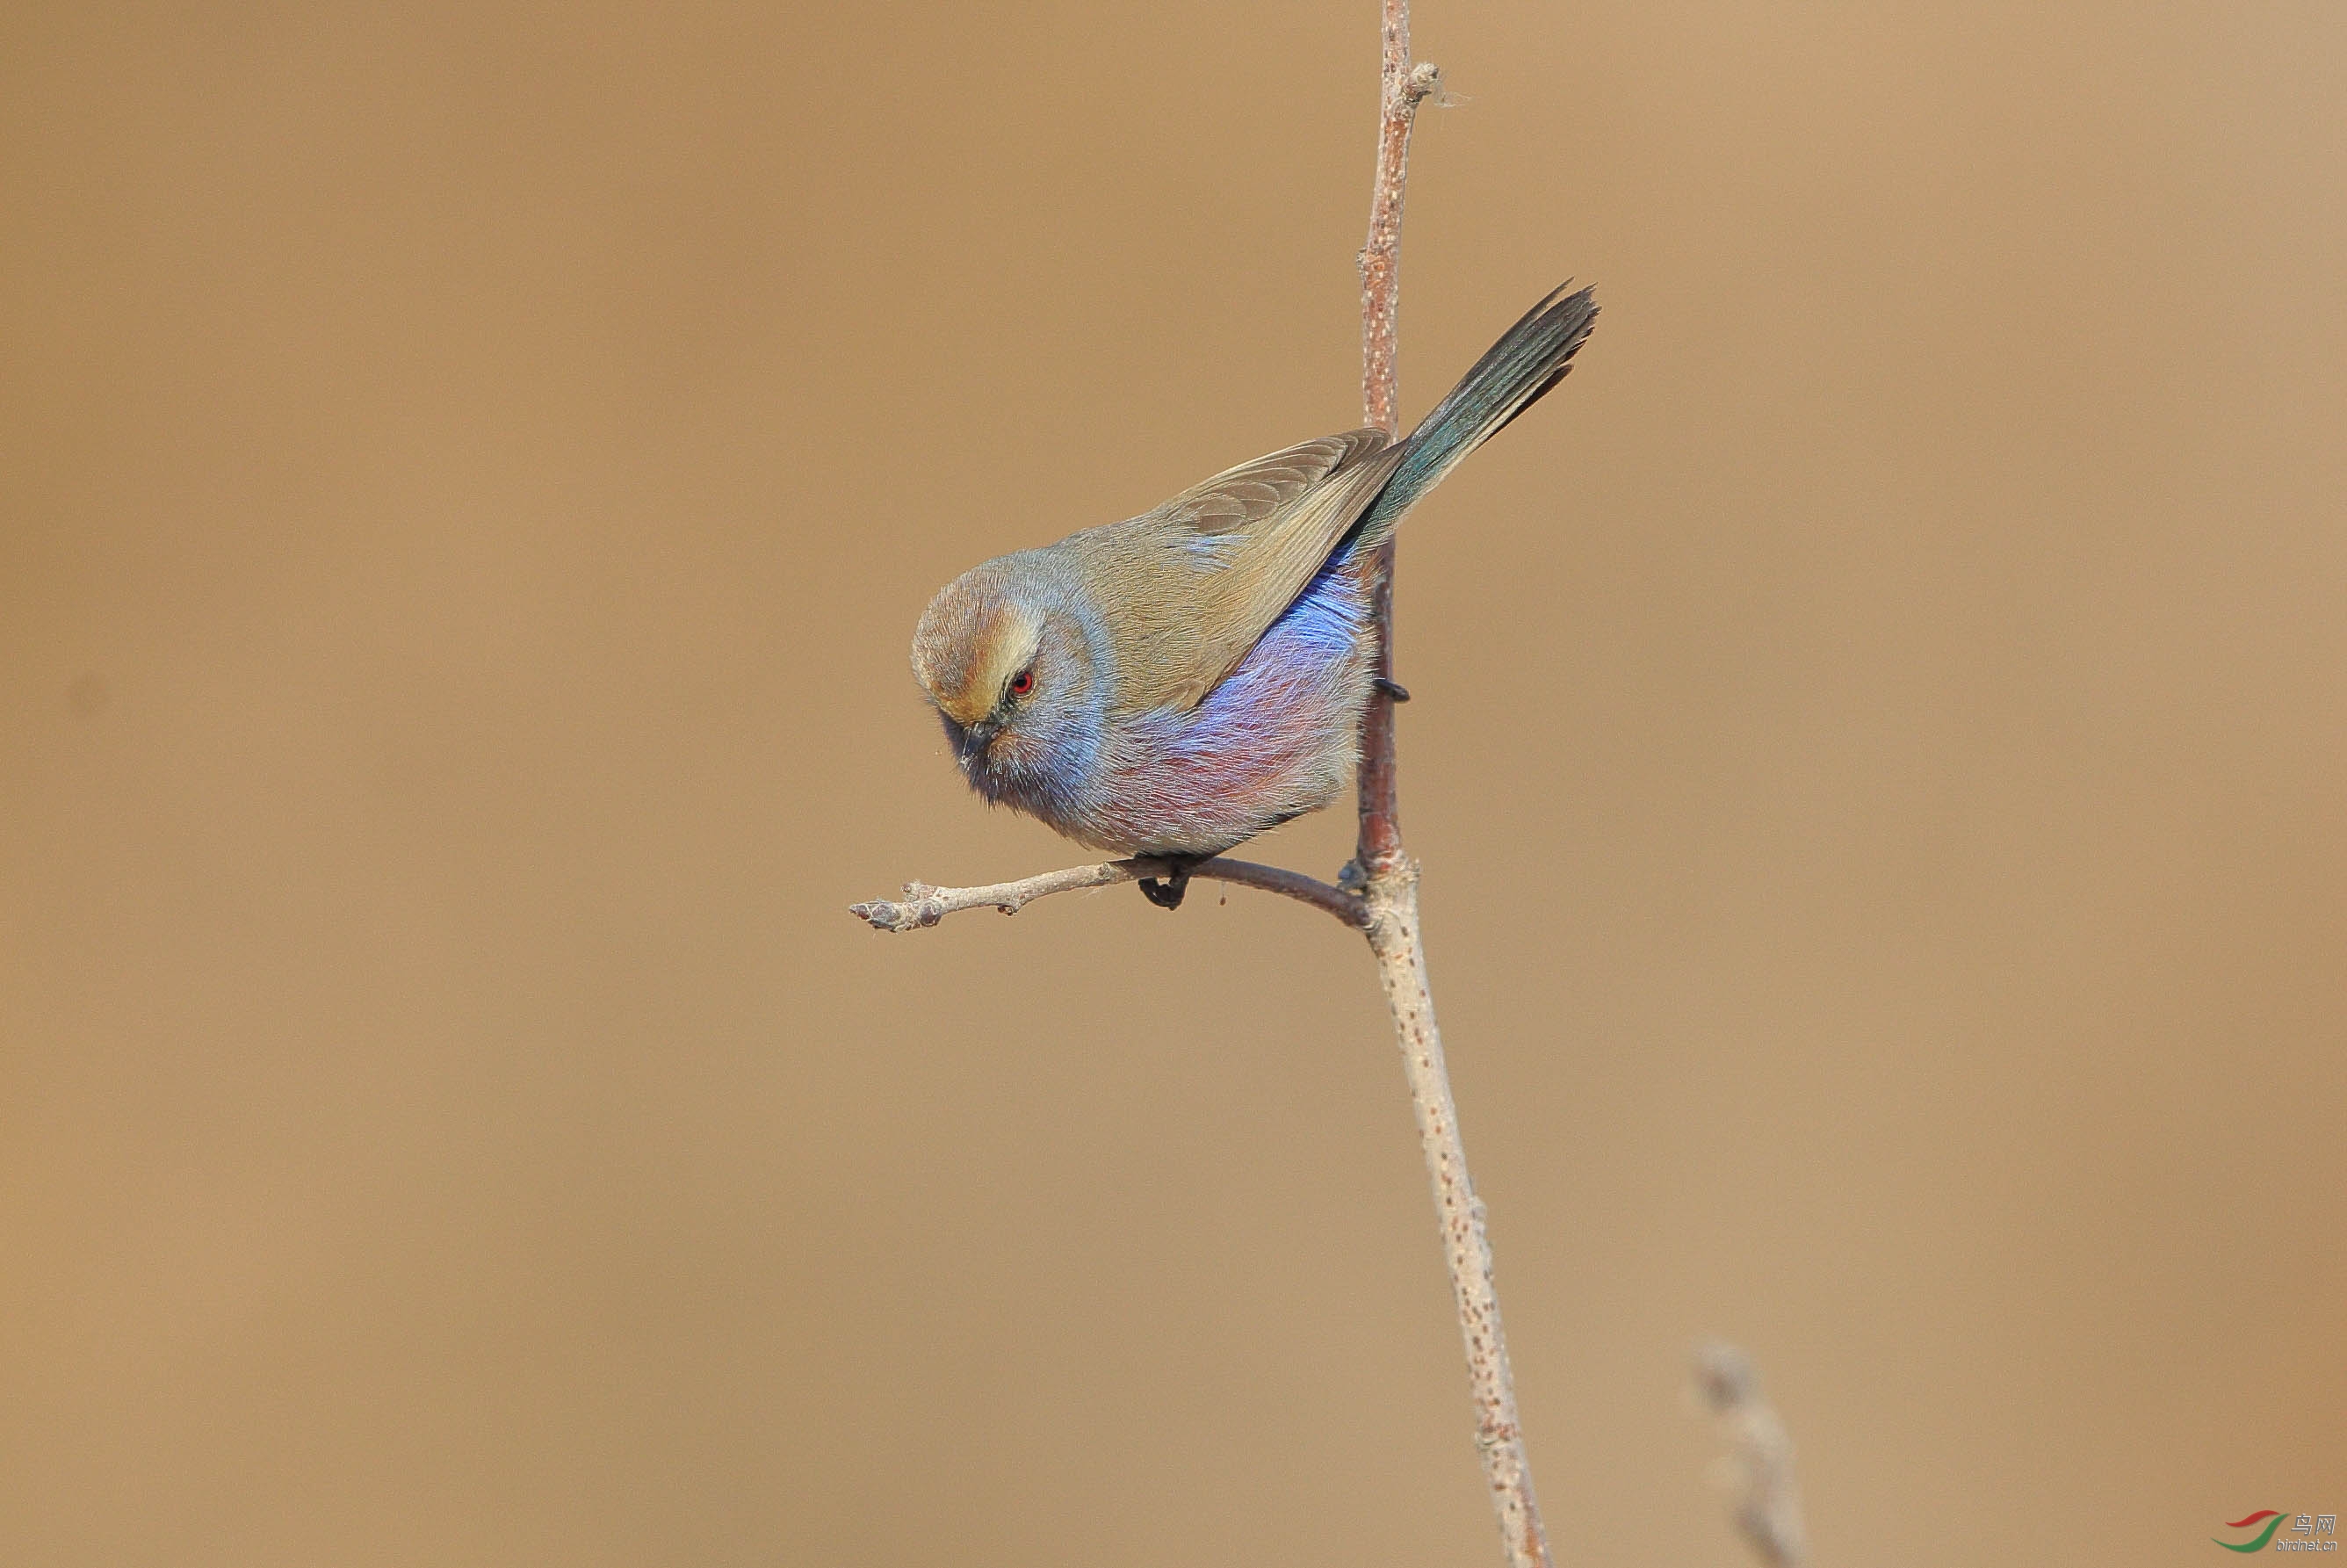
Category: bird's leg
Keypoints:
(1167, 895)
(1391, 688)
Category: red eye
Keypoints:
(1022, 683)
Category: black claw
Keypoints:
(1166, 895)
(1394, 689)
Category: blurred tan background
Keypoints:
(467, 477)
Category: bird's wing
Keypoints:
(1253, 495)
(1203, 576)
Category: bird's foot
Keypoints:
(1167, 894)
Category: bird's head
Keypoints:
(1003, 655)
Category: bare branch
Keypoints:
(924, 905)
(1403, 86)
(1394, 937)
(1387, 876)
(1767, 1503)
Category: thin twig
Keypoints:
(924, 905)
(1403, 86)
(1767, 1503)
(1394, 937)
(1389, 877)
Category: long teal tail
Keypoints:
(1530, 357)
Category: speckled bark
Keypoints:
(1396, 941)
(1389, 878)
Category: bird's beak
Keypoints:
(976, 738)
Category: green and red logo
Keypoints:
(2272, 1519)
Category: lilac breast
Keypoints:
(1277, 739)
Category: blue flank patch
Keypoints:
(1309, 643)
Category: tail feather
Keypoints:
(1531, 357)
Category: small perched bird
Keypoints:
(1175, 683)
